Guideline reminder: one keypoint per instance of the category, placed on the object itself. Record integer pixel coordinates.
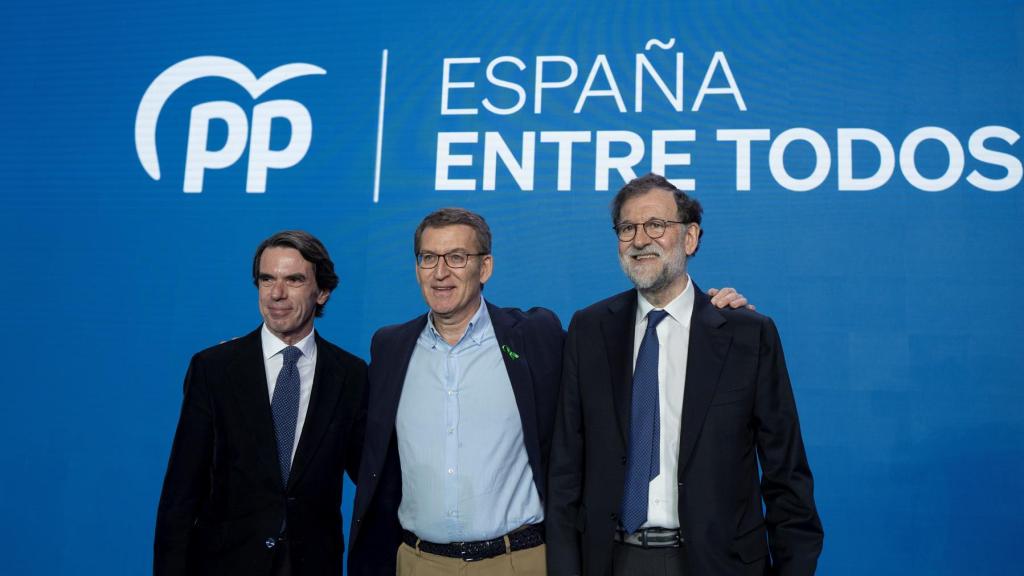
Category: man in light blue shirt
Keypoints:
(459, 424)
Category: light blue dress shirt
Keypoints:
(465, 472)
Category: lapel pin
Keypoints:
(507, 350)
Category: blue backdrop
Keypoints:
(859, 168)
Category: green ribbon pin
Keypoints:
(507, 350)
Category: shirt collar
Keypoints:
(475, 331)
(680, 308)
(273, 345)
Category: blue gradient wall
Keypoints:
(898, 304)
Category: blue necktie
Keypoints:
(644, 462)
(285, 408)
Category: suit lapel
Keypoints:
(327, 386)
(249, 381)
(709, 345)
(392, 351)
(617, 328)
(391, 389)
(518, 370)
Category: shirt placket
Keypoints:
(451, 445)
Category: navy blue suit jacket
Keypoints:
(222, 500)
(535, 336)
(738, 413)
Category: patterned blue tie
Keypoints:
(644, 462)
(285, 408)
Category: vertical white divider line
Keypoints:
(380, 124)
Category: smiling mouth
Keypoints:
(642, 257)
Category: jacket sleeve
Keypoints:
(376, 533)
(354, 450)
(566, 470)
(186, 484)
(795, 534)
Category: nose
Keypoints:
(641, 238)
(277, 291)
(441, 270)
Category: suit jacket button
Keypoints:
(270, 543)
(614, 517)
(623, 460)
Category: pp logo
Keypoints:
(199, 157)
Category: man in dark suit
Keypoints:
(461, 406)
(645, 482)
(269, 423)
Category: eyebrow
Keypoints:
(269, 276)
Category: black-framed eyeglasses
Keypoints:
(654, 228)
(456, 259)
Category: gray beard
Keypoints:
(671, 270)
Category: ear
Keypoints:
(486, 268)
(322, 296)
(691, 239)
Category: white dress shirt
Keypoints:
(273, 360)
(674, 342)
